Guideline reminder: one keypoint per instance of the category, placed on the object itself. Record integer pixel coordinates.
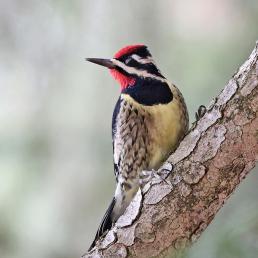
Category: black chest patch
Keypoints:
(149, 92)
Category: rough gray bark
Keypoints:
(210, 162)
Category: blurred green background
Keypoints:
(56, 176)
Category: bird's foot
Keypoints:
(200, 112)
(151, 177)
(165, 170)
(147, 175)
(198, 115)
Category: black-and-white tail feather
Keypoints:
(106, 223)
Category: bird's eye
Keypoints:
(128, 60)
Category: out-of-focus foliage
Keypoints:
(56, 175)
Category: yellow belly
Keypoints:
(166, 133)
(166, 125)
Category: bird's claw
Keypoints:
(198, 115)
(151, 177)
(200, 112)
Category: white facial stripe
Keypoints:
(132, 70)
(142, 60)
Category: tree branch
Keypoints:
(210, 162)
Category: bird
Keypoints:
(149, 120)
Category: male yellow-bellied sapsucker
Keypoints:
(149, 120)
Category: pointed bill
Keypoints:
(100, 61)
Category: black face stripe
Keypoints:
(131, 62)
(121, 70)
(148, 67)
(150, 70)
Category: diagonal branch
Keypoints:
(210, 162)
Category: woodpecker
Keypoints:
(149, 120)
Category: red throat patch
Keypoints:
(123, 80)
